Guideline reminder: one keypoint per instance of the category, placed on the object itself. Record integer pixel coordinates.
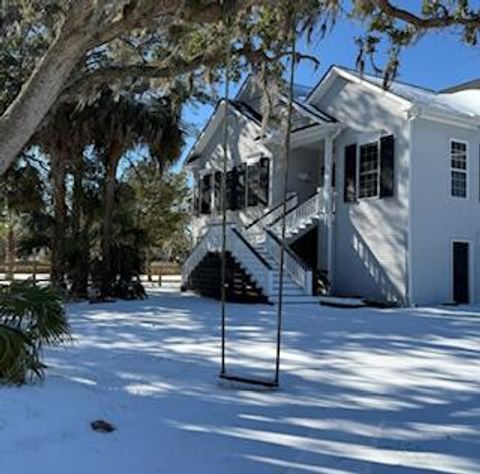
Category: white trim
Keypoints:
(410, 217)
(336, 71)
(457, 120)
(471, 272)
(314, 133)
(359, 145)
(216, 119)
(466, 171)
(448, 117)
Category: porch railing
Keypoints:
(302, 214)
(255, 231)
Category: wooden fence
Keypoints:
(40, 271)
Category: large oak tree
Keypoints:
(80, 45)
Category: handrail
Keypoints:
(256, 231)
(306, 210)
(290, 252)
(294, 208)
(273, 209)
(198, 252)
(294, 266)
(251, 247)
(258, 267)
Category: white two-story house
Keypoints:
(383, 194)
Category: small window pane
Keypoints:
(458, 164)
(368, 171)
(459, 184)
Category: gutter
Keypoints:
(466, 121)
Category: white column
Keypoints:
(328, 202)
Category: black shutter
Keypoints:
(387, 161)
(206, 194)
(264, 180)
(232, 184)
(252, 185)
(228, 190)
(217, 183)
(350, 181)
(241, 184)
(196, 197)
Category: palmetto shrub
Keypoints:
(30, 317)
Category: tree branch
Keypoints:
(424, 23)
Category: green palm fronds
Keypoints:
(30, 316)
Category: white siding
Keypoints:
(241, 146)
(370, 251)
(438, 218)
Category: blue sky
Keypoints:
(436, 61)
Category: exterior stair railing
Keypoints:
(255, 231)
(241, 242)
(300, 215)
(240, 248)
(299, 271)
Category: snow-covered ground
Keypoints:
(363, 391)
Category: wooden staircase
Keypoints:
(253, 256)
(240, 287)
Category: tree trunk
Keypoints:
(10, 250)
(80, 242)
(21, 119)
(58, 264)
(148, 261)
(112, 158)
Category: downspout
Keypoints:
(412, 114)
(329, 201)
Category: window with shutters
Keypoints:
(458, 168)
(368, 170)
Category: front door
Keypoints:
(461, 272)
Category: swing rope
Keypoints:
(223, 192)
(287, 154)
(223, 371)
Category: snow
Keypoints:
(464, 104)
(362, 391)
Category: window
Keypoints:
(458, 165)
(258, 183)
(368, 171)
(206, 194)
(241, 186)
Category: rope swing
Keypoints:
(285, 193)
(274, 383)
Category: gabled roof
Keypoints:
(469, 85)
(408, 95)
(304, 115)
(216, 118)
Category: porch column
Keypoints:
(327, 200)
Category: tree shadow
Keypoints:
(367, 391)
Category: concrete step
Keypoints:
(301, 299)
